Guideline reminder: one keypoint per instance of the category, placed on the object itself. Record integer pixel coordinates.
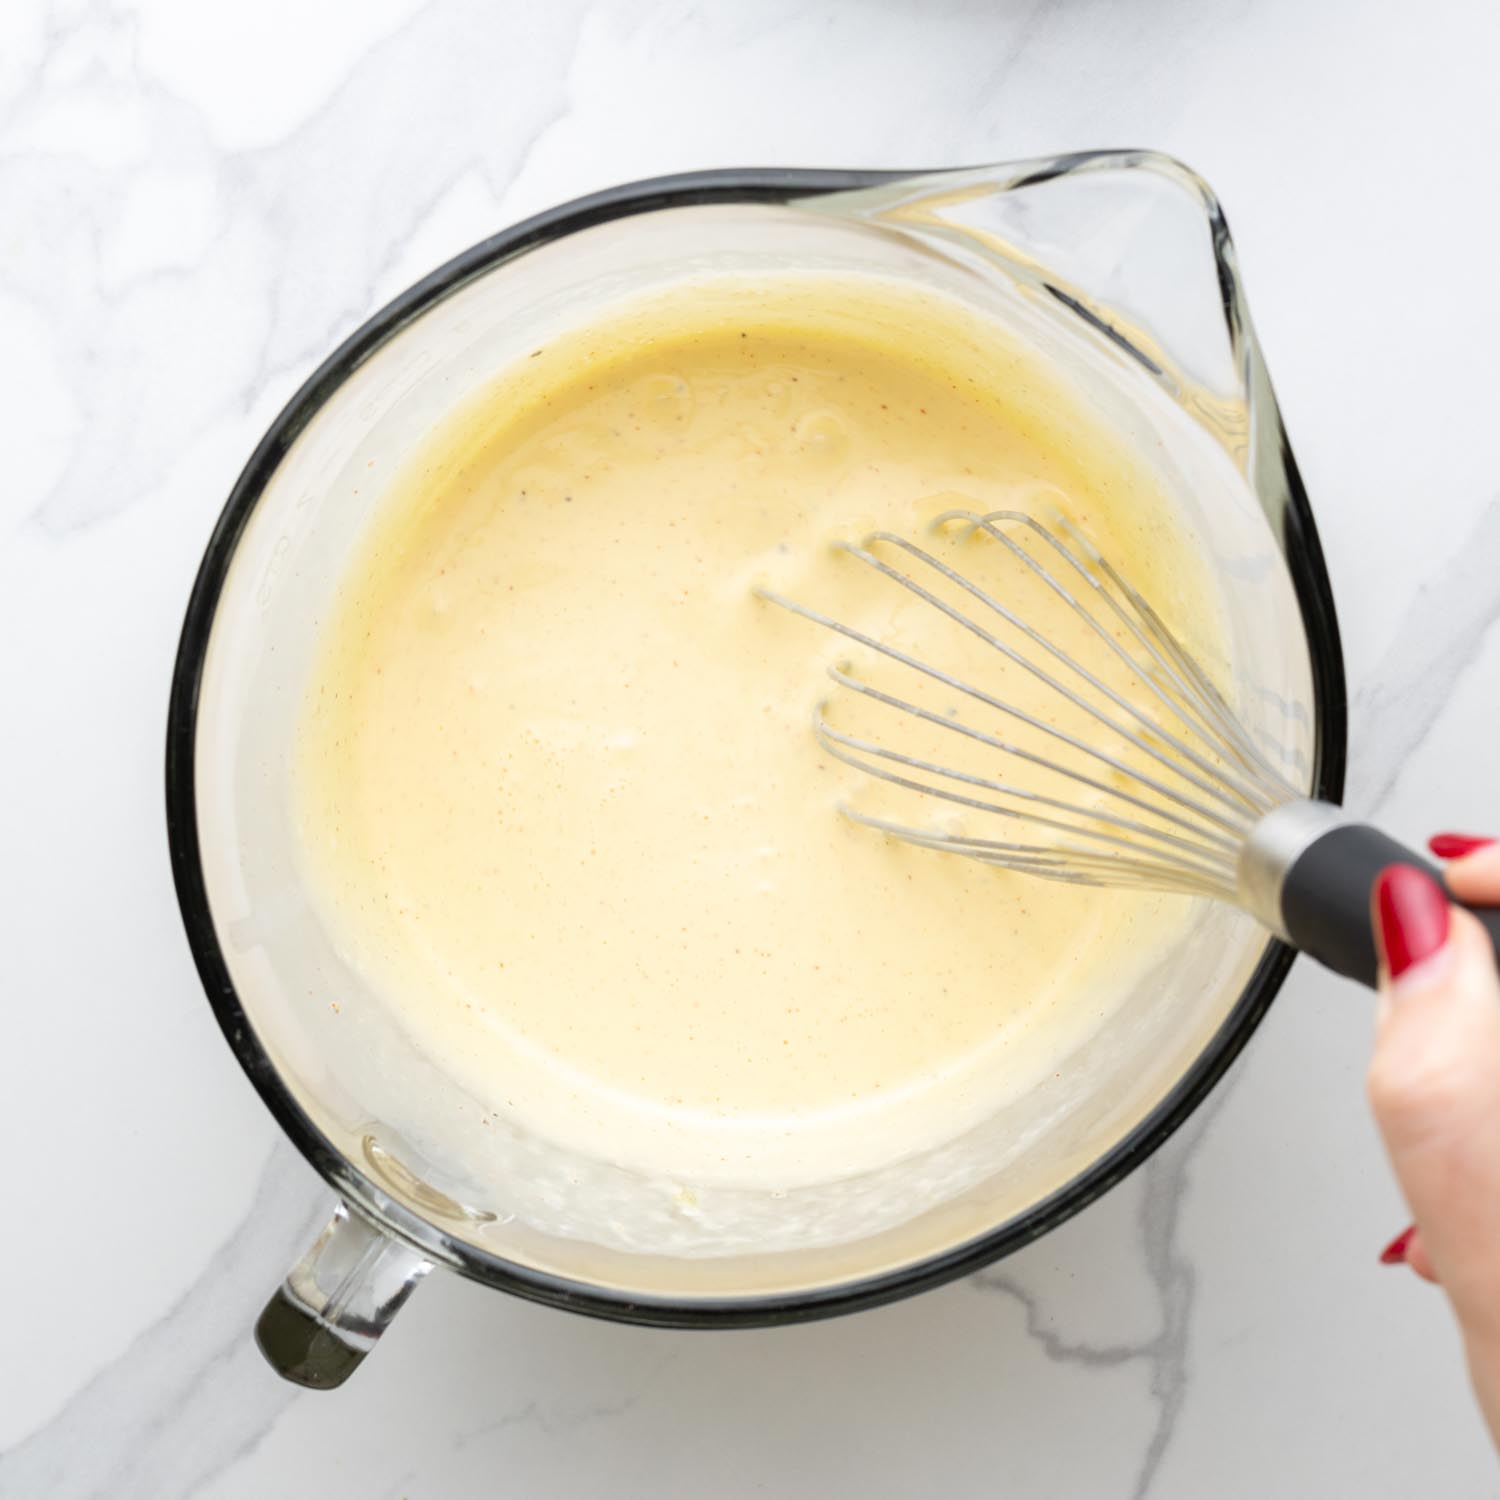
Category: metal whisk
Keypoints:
(1118, 763)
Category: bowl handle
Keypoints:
(337, 1301)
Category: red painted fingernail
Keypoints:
(1395, 1252)
(1456, 845)
(1411, 916)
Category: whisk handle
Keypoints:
(1325, 897)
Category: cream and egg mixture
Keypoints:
(559, 791)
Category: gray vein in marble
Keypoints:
(34, 86)
(1053, 1345)
(1175, 1281)
(536, 1413)
(419, 45)
(1439, 637)
(288, 271)
(1173, 1277)
(1019, 41)
(191, 1394)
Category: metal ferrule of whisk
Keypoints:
(1115, 761)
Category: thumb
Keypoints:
(1432, 1084)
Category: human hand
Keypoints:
(1434, 1084)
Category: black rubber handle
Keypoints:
(1325, 899)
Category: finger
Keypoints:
(1437, 1053)
(1418, 1259)
(1407, 1249)
(1475, 876)
(1456, 845)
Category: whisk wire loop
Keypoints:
(969, 731)
(1171, 816)
(1231, 793)
(1211, 716)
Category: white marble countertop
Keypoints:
(196, 202)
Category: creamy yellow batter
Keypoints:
(558, 788)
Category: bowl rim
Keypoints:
(1305, 563)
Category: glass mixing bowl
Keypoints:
(1116, 267)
